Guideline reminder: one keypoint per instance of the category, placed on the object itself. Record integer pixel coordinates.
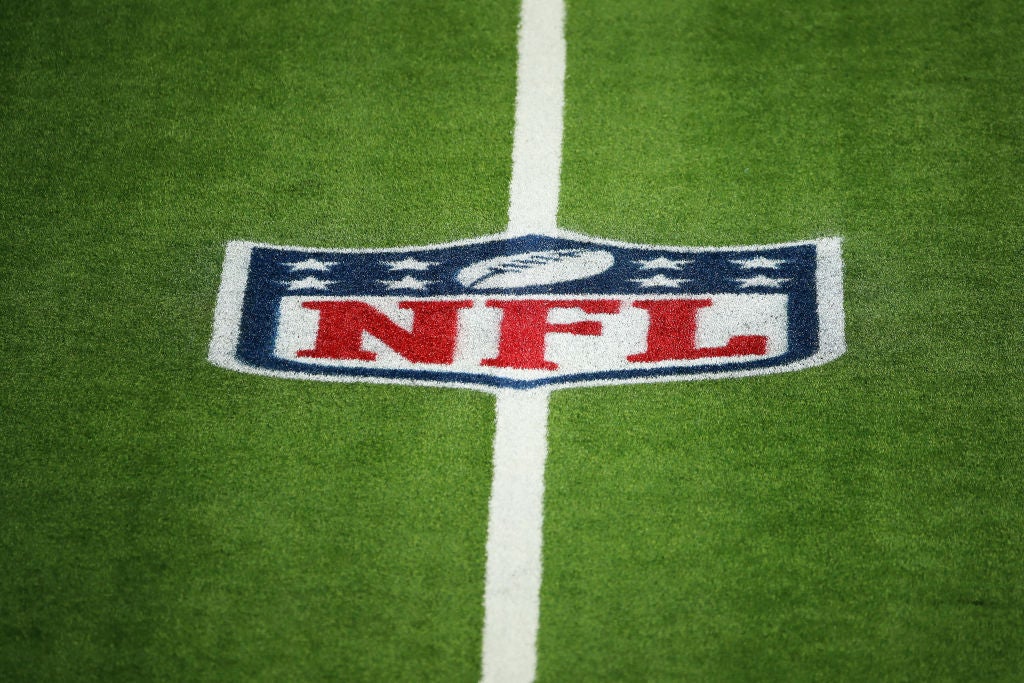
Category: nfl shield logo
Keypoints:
(519, 312)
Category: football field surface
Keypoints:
(165, 519)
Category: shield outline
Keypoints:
(235, 275)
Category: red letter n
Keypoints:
(524, 327)
(672, 334)
(342, 323)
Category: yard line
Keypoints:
(514, 535)
(516, 510)
(537, 140)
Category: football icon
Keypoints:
(535, 268)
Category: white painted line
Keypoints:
(515, 525)
(537, 140)
(831, 316)
(514, 537)
(227, 317)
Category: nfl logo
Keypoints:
(521, 312)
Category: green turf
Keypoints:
(163, 519)
(859, 521)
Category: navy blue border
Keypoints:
(264, 290)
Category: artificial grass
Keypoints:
(164, 519)
(858, 521)
(167, 520)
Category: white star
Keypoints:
(660, 280)
(309, 283)
(758, 262)
(410, 264)
(312, 264)
(662, 263)
(407, 282)
(761, 281)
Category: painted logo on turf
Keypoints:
(528, 311)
